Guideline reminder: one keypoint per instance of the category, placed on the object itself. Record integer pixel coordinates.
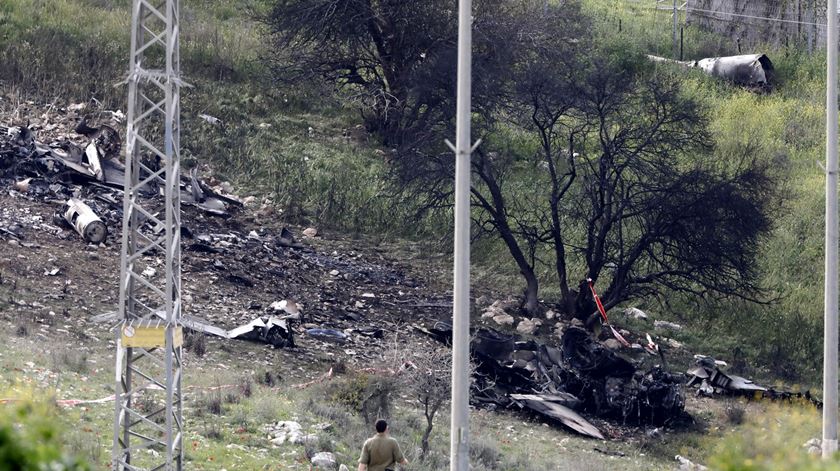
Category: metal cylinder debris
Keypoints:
(85, 221)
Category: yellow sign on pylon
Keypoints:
(149, 336)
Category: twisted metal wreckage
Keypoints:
(60, 170)
(581, 375)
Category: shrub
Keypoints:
(30, 439)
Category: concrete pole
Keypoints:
(459, 433)
(829, 430)
(674, 33)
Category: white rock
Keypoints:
(528, 326)
(343, 467)
(550, 314)
(324, 460)
(667, 325)
(310, 232)
(814, 446)
(635, 313)
(149, 272)
(23, 185)
(368, 295)
(503, 319)
(253, 235)
(673, 343)
(688, 465)
(335, 273)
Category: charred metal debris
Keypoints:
(706, 375)
(88, 179)
(581, 375)
(245, 275)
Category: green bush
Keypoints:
(773, 441)
(31, 440)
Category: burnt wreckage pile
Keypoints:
(579, 375)
(247, 275)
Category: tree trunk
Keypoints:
(531, 302)
(499, 213)
(424, 442)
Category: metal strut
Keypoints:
(148, 425)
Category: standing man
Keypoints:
(381, 452)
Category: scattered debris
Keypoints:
(329, 335)
(552, 405)
(210, 119)
(272, 330)
(709, 380)
(85, 221)
(582, 376)
(752, 70)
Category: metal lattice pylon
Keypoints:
(148, 426)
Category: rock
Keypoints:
(550, 314)
(23, 185)
(634, 313)
(505, 305)
(482, 301)
(289, 432)
(665, 325)
(343, 468)
(814, 446)
(324, 460)
(528, 326)
(558, 330)
(577, 322)
(503, 319)
(335, 273)
(310, 232)
(688, 465)
(672, 343)
(612, 344)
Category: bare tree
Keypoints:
(626, 188)
(425, 374)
